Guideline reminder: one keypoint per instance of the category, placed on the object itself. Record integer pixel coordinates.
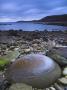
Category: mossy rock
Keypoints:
(3, 63)
(6, 59)
(11, 55)
(60, 59)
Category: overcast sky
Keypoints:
(13, 10)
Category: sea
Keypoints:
(30, 26)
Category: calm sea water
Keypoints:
(29, 26)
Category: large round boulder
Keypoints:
(36, 70)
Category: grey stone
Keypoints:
(63, 80)
(60, 59)
(65, 71)
(58, 87)
(36, 70)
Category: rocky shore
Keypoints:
(14, 44)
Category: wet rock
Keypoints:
(36, 70)
(57, 57)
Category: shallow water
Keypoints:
(29, 26)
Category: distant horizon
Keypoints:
(27, 10)
(33, 19)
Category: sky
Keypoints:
(15, 10)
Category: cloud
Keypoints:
(59, 10)
(14, 10)
(9, 7)
(33, 11)
(6, 19)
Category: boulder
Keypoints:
(60, 59)
(36, 70)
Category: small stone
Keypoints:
(12, 60)
(52, 88)
(65, 71)
(58, 87)
(63, 81)
(16, 49)
(47, 89)
(27, 50)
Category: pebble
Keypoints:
(27, 50)
(65, 71)
(57, 87)
(52, 88)
(63, 80)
